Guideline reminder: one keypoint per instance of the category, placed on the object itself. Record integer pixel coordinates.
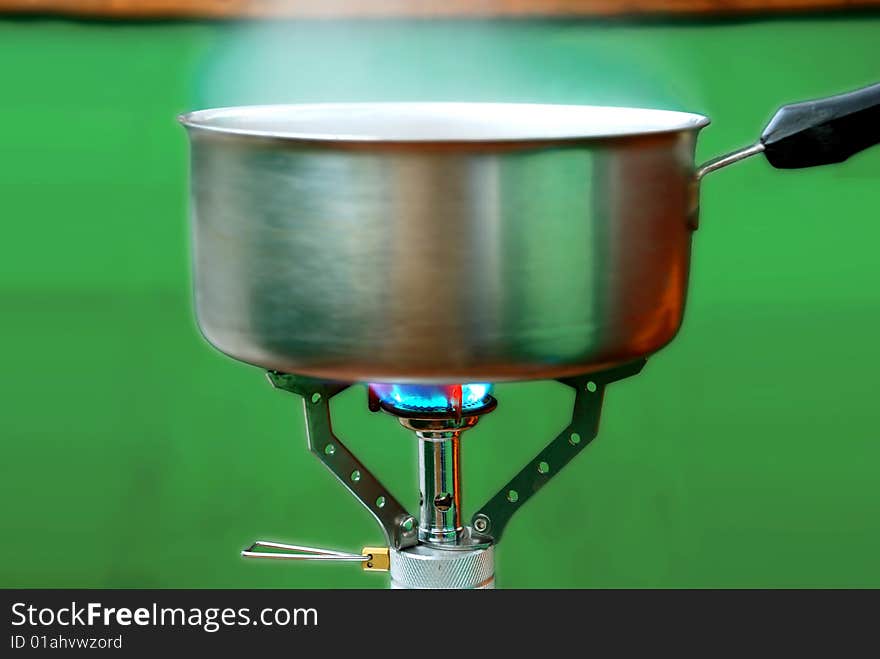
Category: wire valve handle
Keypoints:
(373, 559)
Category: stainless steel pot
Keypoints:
(441, 242)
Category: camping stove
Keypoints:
(460, 242)
(437, 549)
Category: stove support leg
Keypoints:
(492, 518)
(399, 526)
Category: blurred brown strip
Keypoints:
(414, 8)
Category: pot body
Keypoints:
(450, 262)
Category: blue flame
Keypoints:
(431, 397)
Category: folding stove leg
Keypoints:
(401, 529)
(491, 520)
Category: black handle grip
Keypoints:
(824, 131)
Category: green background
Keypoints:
(134, 455)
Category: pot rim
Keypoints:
(439, 122)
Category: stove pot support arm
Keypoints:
(812, 133)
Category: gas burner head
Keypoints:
(433, 401)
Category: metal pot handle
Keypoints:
(820, 132)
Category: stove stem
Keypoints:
(447, 555)
(440, 489)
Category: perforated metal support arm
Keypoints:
(491, 520)
(401, 529)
